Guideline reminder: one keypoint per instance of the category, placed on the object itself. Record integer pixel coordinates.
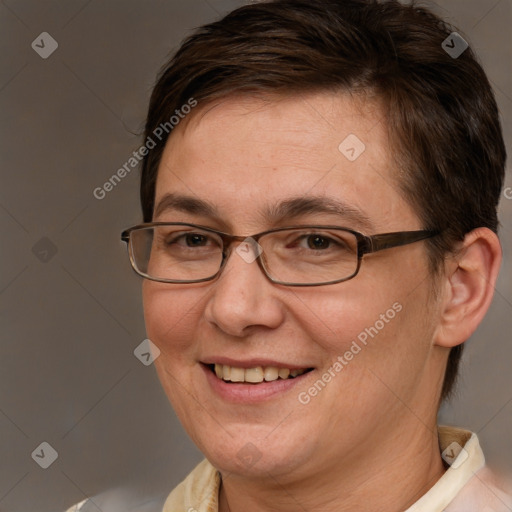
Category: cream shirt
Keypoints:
(466, 486)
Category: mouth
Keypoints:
(255, 375)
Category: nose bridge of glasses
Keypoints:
(248, 248)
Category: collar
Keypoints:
(461, 450)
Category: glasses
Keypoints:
(175, 252)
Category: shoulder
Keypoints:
(198, 492)
(468, 485)
(78, 507)
(480, 488)
(485, 491)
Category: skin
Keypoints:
(368, 440)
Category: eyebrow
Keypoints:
(297, 206)
(274, 214)
(185, 204)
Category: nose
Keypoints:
(243, 298)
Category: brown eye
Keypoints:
(318, 242)
(195, 240)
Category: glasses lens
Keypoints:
(175, 253)
(310, 255)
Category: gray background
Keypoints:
(71, 320)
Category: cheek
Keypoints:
(170, 316)
(336, 316)
(372, 326)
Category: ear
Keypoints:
(468, 287)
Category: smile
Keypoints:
(255, 375)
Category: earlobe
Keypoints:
(468, 287)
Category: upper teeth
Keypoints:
(254, 375)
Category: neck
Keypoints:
(393, 477)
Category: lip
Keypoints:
(245, 393)
(252, 363)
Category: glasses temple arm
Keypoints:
(388, 240)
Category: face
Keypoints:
(363, 347)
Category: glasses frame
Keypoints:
(365, 245)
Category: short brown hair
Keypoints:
(441, 112)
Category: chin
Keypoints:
(251, 454)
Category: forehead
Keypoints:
(303, 122)
(246, 154)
